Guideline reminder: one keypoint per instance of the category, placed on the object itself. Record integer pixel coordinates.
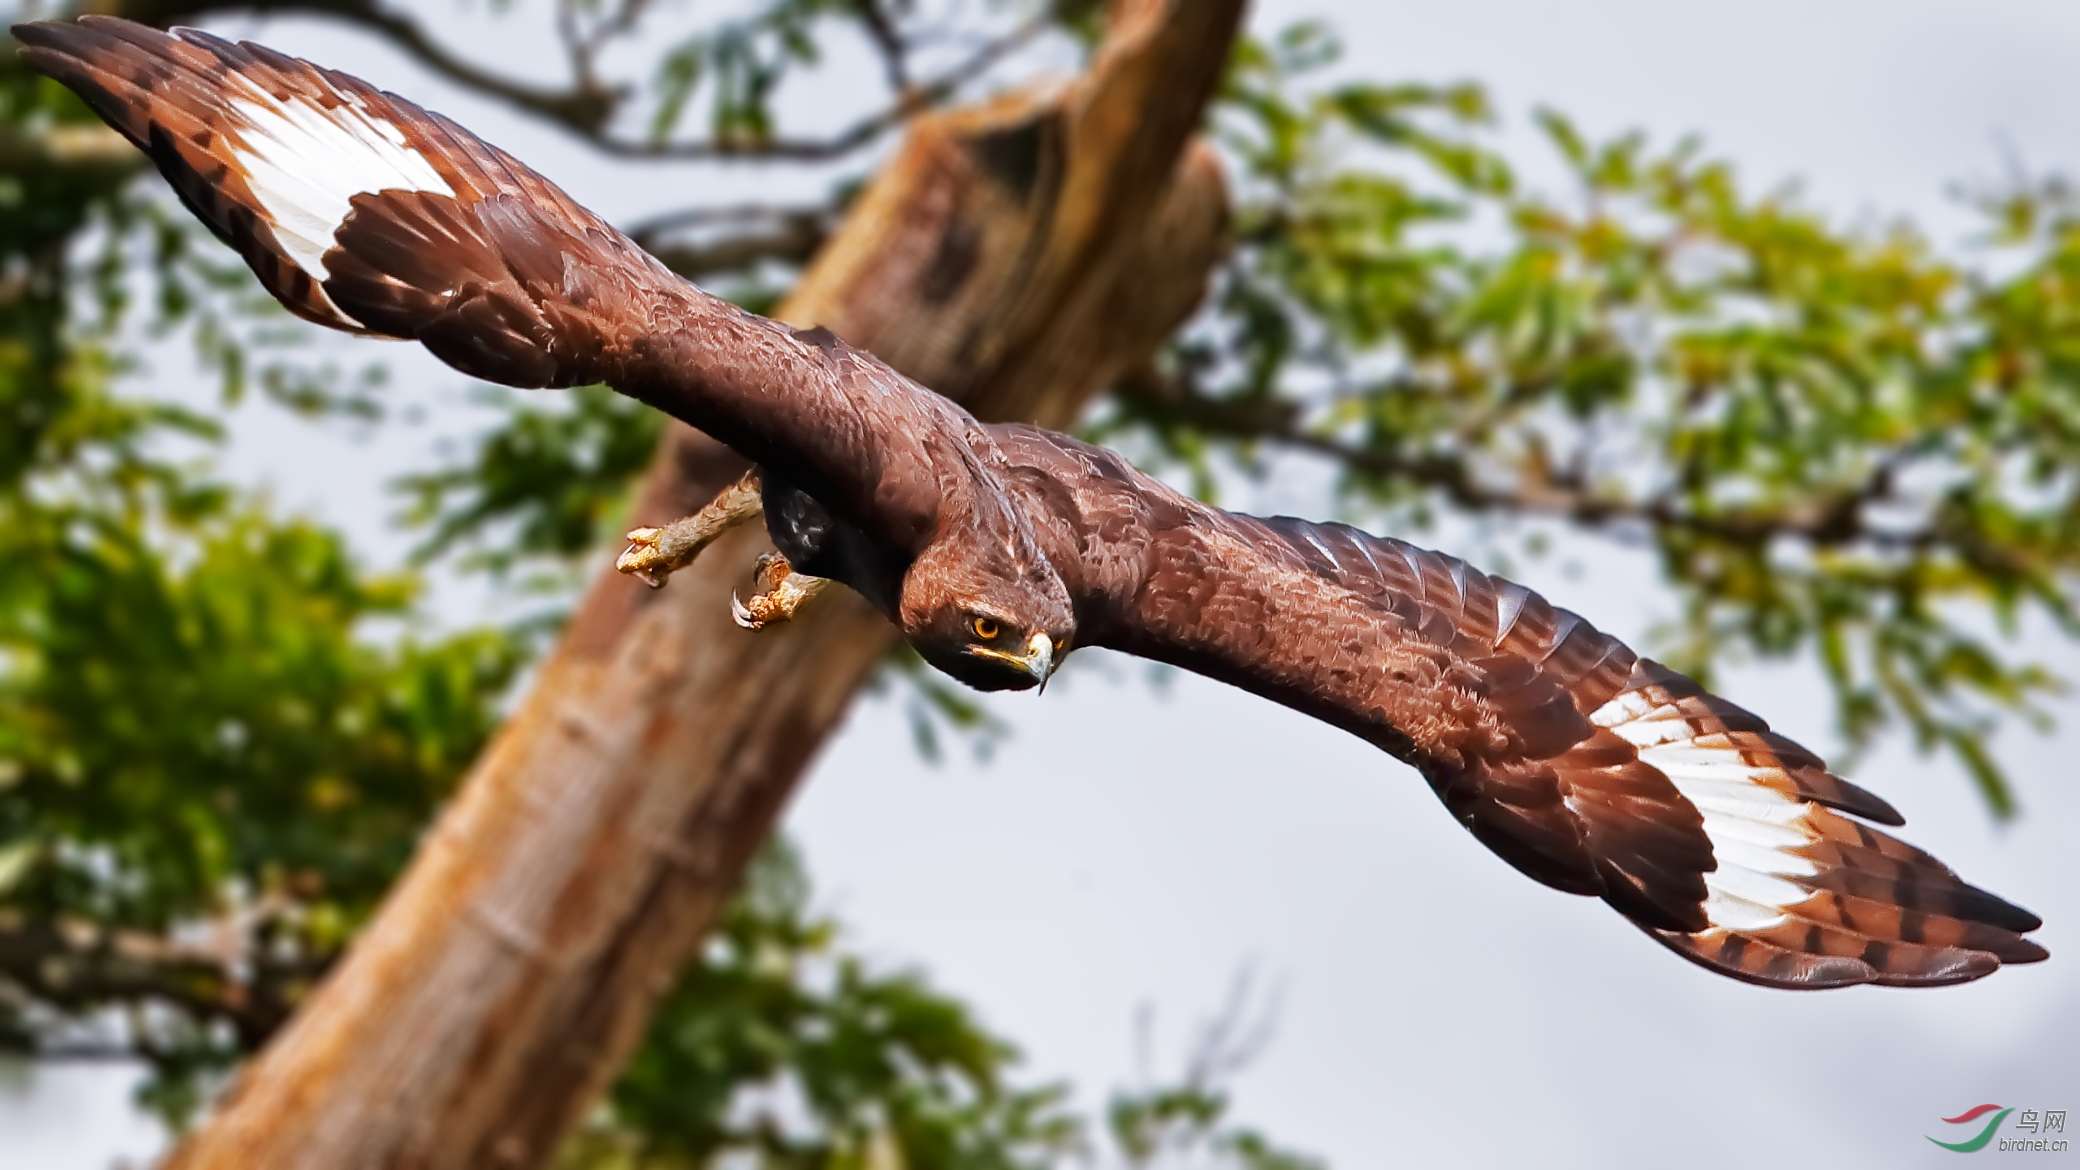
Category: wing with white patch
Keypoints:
(1804, 895)
(357, 209)
(304, 162)
(361, 211)
(267, 151)
(1583, 765)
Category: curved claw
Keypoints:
(781, 594)
(644, 558)
(744, 617)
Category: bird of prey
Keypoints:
(998, 548)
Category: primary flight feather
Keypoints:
(999, 548)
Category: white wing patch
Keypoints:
(1752, 826)
(305, 163)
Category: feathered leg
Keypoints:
(654, 554)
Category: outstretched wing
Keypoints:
(1585, 766)
(360, 211)
(272, 153)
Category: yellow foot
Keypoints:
(654, 554)
(781, 592)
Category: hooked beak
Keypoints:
(1040, 660)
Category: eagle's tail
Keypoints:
(357, 209)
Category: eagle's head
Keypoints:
(993, 614)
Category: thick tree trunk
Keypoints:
(1015, 256)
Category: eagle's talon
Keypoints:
(643, 559)
(769, 571)
(781, 593)
(654, 554)
(743, 615)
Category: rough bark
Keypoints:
(1017, 256)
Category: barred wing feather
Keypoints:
(1583, 765)
(360, 211)
(1760, 866)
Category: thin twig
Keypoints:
(910, 102)
(1835, 521)
(588, 106)
(894, 50)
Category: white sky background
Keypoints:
(1129, 847)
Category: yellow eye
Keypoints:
(986, 629)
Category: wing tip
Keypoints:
(50, 46)
(2020, 951)
(84, 31)
(30, 32)
(1761, 964)
(1778, 968)
(1953, 968)
(1857, 800)
(1998, 911)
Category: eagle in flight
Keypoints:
(998, 548)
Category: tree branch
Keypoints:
(790, 235)
(909, 102)
(881, 32)
(1828, 522)
(588, 106)
(78, 967)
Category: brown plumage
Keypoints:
(997, 548)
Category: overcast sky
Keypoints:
(1135, 847)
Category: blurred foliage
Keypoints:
(781, 1050)
(548, 484)
(220, 734)
(738, 65)
(194, 727)
(1184, 1121)
(847, 1067)
(937, 707)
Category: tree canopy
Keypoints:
(221, 732)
